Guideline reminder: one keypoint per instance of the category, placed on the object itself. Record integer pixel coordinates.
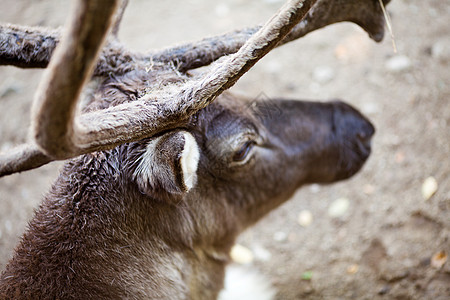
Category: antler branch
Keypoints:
(32, 47)
(118, 18)
(70, 68)
(366, 13)
(22, 158)
(27, 47)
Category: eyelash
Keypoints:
(242, 153)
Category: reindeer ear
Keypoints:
(167, 169)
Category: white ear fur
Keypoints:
(151, 171)
(147, 167)
(189, 160)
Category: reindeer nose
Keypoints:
(352, 125)
(365, 135)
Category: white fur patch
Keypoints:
(146, 167)
(244, 283)
(189, 160)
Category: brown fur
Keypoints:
(99, 235)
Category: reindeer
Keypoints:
(160, 179)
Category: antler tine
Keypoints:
(33, 47)
(366, 13)
(55, 102)
(71, 67)
(118, 18)
(22, 158)
(26, 47)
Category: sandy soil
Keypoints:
(381, 246)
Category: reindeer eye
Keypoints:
(242, 153)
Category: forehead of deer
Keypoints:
(223, 118)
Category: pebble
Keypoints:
(314, 188)
(9, 88)
(280, 236)
(368, 189)
(241, 255)
(439, 259)
(398, 63)
(305, 218)
(273, 67)
(352, 269)
(323, 74)
(384, 289)
(261, 253)
(429, 187)
(338, 208)
(441, 50)
(370, 108)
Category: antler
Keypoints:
(61, 134)
(366, 13)
(70, 68)
(32, 47)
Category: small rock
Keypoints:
(9, 89)
(314, 188)
(429, 187)
(305, 218)
(441, 50)
(280, 236)
(273, 67)
(399, 156)
(338, 208)
(261, 253)
(323, 74)
(368, 189)
(384, 290)
(439, 259)
(398, 63)
(353, 48)
(352, 269)
(241, 254)
(370, 108)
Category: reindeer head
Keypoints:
(253, 154)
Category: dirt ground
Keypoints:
(381, 245)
